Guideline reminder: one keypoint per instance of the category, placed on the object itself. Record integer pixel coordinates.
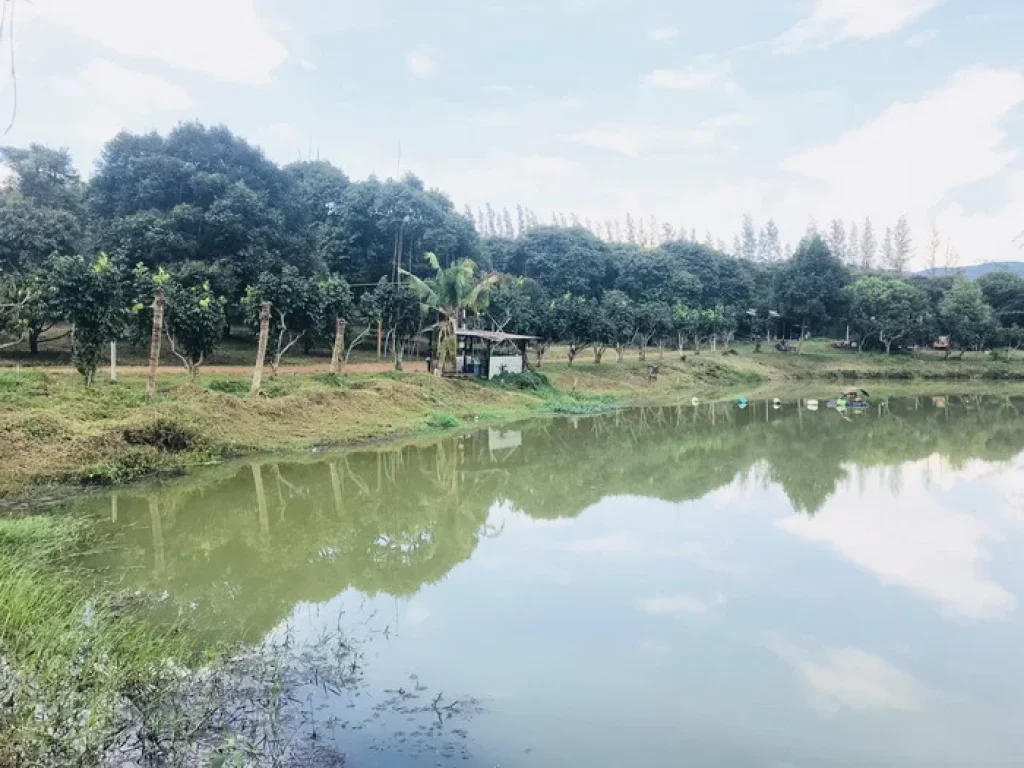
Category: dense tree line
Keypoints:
(199, 228)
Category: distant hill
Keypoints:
(977, 270)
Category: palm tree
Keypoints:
(454, 292)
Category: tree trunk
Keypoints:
(159, 305)
(33, 341)
(399, 354)
(800, 344)
(598, 354)
(620, 352)
(572, 354)
(113, 361)
(261, 349)
(339, 344)
(380, 336)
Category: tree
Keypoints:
(965, 317)
(748, 240)
(336, 307)
(90, 294)
(853, 253)
(868, 246)
(296, 306)
(574, 318)
(398, 309)
(889, 252)
(44, 176)
(619, 315)
(563, 260)
(1004, 292)
(810, 288)
(837, 239)
(653, 321)
(453, 292)
(934, 244)
(888, 307)
(769, 248)
(902, 246)
(194, 323)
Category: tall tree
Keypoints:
(811, 287)
(631, 234)
(836, 240)
(889, 252)
(768, 246)
(902, 245)
(748, 240)
(853, 245)
(868, 246)
(520, 221)
(508, 230)
(934, 244)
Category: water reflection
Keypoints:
(758, 586)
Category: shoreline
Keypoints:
(61, 438)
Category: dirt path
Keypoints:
(233, 370)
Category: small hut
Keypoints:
(488, 354)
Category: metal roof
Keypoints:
(493, 336)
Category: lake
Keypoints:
(704, 585)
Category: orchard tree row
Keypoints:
(229, 239)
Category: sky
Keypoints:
(695, 113)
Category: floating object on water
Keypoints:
(695, 401)
(812, 405)
(742, 402)
(776, 403)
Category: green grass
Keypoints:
(74, 649)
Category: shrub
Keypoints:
(443, 421)
(163, 434)
(528, 381)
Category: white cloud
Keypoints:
(676, 606)
(548, 165)
(945, 567)
(421, 62)
(308, 65)
(706, 72)
(226, 39)
(109, 98)
(851, 677)
(832, 21)
(635, 139)
(920, 39)
(663, 34)
(913, 156)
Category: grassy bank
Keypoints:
(54, 432)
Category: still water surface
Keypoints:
(693, 586)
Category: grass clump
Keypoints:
(229, 386)
(439, 420)
(332, 380)
(530, 380)
(133, 464)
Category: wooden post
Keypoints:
(159, 305)
(261, 505)
(113, 361)
(380, 337)
(261, 350)
(339, 344)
